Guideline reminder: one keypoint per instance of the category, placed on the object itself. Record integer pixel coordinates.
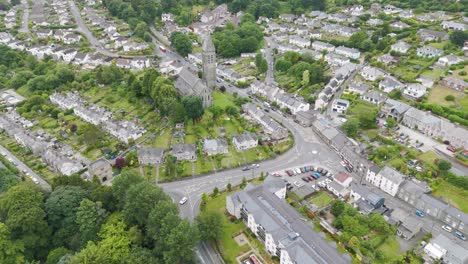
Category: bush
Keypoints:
(450, 98)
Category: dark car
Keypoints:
(306, 169)
(324, 172)
(289, 173)
(305, 179)
(245, 168)
(460, 235)
(320, 170)
(349, 169)
(302, 169)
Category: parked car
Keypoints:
(349, 169)
(305, 179)
(183, 201)
(302, 169)
(451, 149)
(419, 213)
(289, 173)
(316, 175)
(460, 235)
(420, 144)
(397, 128)
(297, 170)
(306, 169)
(447, 228)
(245, 169)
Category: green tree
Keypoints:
(121, 185)
(357, 39)
(21, 209)
(7, 180)
(459, 37)
(89, 218)
(351, 127)
(215, 192)
(140, 29)
(10, 251)
(210, 225)
(140, 200)
(56, 254)
(91, 135)
(261, 63)
(181, 243)
(353, 242)
(193, 106)
(337, 208)
(391, 123)
(162, 218)
(61, 208)
(444, 165)
(229, 187)
(181, 43)
(305, 78)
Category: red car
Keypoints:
(450, 148)
(290, 173)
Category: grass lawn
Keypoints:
(227, 245)
(223, 100)
(435, 73)
(390, 248)
(322, 199)
(438, 94)
(428, 157)
(163, 140)
(453, 195)
(464, 103)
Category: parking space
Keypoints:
(415, 138)
(315, 176)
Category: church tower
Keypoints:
(209, 62)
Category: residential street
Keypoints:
(25, 19)
(24, 168)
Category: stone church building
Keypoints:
(188, 83)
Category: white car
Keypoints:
(183, 201)
(35, 180)
(447, 228)
(297, 170)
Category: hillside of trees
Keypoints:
(83, 222)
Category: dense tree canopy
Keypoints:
(231, 41)
(181, 43)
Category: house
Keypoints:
(394, 109)
(337, 189)
(184, 152)
(401, 47)
(390, 9)
(101, 168)
(374, 22)
(358, 88)
(407, 13)
(317, 55)
(335, 59)
(428, 18)
(449, 60)
(152, 156)
(294, 104)
(270, 126)
(414, 91)
(452, 25)
(71, 38)
(305, 118)
(287, 17)
(455, 218)
(399, 25)
(59, 163)
(354, 10)
(364, 199)
(321, 46)
(387, 179)
(338, 17)
(411, 190)
(244, 141)
(429, 52)
(454, 83)
(340, 105)
(374, 97)
(278, 226)
(388, 59)
(167, 17)
(43, 33)
(343, 179)
(408, 225)
(428, 82)
(389, 83)
(123, 63)
(300, 42)
(446, 250)
(215, 146)
(370, 73)
(432, 35)
(348, 52)
(346, 32)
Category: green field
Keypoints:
(321, 199)
(390, 248)
(453, 195)
(438, 94)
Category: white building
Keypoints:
(340, 105)
(348, 52)
(387, 179)
(372, 73)
(320, 46)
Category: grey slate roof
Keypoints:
(392, 175)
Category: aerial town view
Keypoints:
(233, 131)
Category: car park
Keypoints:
(447, 228)
(460, 235)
